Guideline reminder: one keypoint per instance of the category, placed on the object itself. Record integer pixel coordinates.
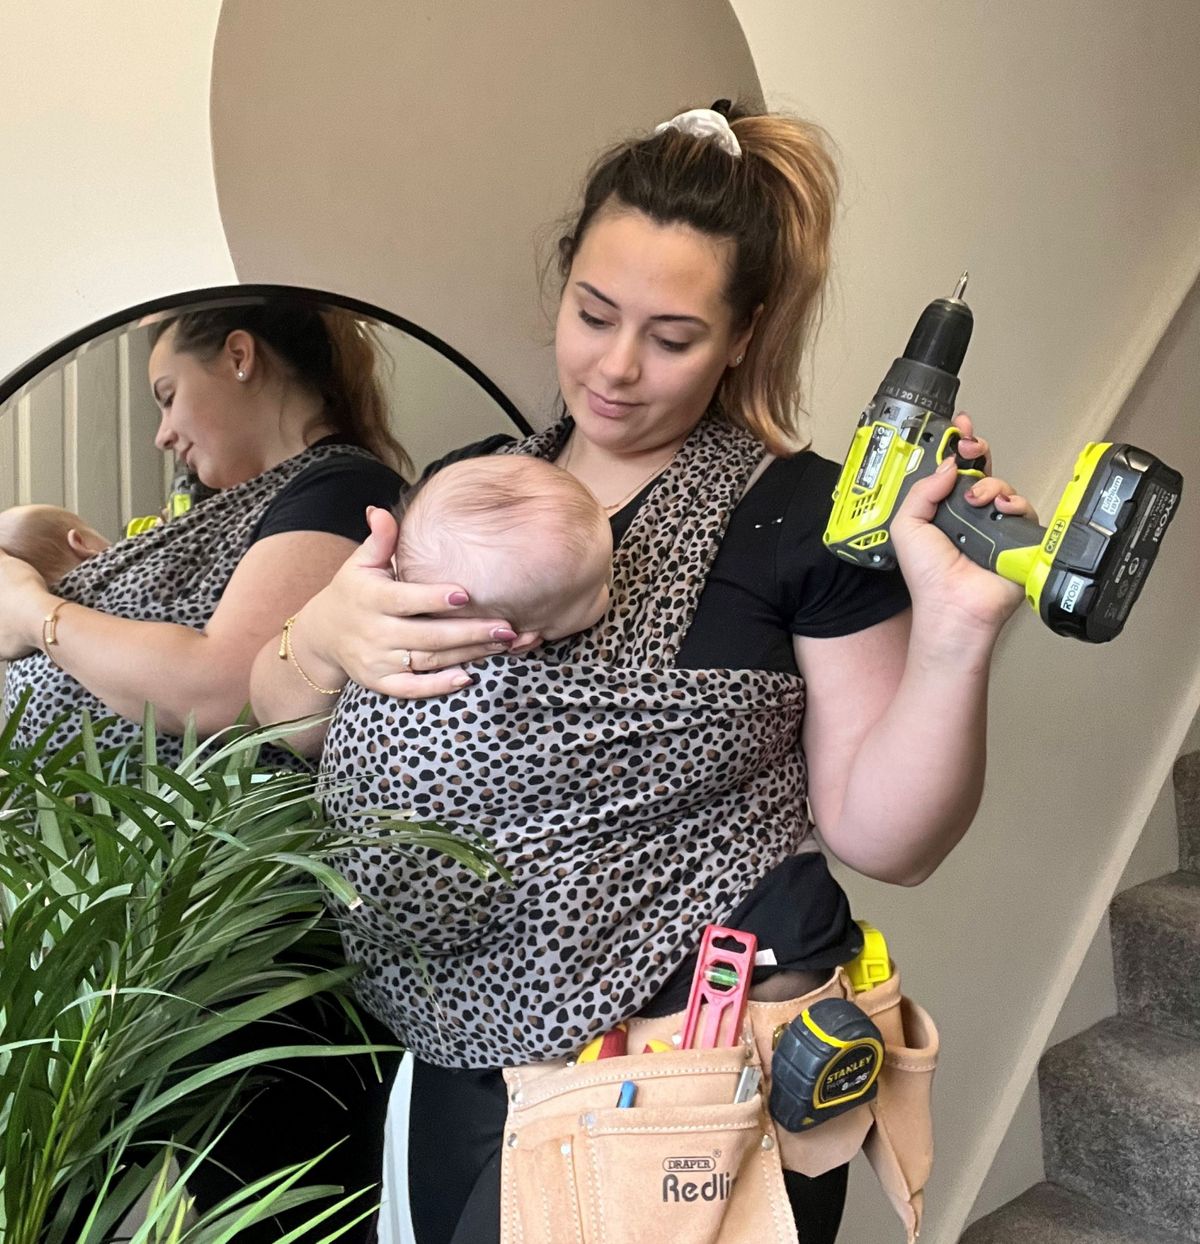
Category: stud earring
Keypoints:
(737, 362)
(241, 375)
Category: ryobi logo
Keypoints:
(1070, 597)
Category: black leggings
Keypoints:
(456, 1120)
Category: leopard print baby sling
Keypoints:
(632, 802)
(174, 573)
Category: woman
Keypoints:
(691, 279)
(277, 407)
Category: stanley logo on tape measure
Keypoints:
(843, 1079)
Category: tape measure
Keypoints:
(873, 964)
(826, 1061)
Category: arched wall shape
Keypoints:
(417, 154)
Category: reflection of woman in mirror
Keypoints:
(277, 407)
(281, 415)
(691, 280)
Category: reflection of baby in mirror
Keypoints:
(52, 540)
(527, 541)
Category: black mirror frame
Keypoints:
(15, 381)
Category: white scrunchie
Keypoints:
(705, 123)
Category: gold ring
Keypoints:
(406, 658)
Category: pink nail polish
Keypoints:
(457, 598)
(503, 632)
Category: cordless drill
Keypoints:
(1081, 573)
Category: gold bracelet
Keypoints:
(286, 653)
(50, 629)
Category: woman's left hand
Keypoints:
(946, 586)
(23, 597)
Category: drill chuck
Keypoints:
(926, 374)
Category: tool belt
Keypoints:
(687, 1164)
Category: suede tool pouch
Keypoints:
(900, 1144)
(895, 1131)
(684, 1163)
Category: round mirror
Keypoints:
(77, 423)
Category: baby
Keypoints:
(526, 540)
(52, 540)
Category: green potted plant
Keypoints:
(146, 910)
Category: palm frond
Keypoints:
(145, 912)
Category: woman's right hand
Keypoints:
(399, 639)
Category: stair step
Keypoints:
(1156, 945)
(1048, 1214)
(1121, 1121)
(1187, 810)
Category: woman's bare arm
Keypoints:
(179, 670)
(382, 634)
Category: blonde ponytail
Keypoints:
(355, 392)
(797, 173)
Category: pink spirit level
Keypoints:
(720, 988)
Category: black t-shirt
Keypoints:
(332, 495)
(773, 579)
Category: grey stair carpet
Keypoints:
(1047, 1214)
(1121, 1102)
(1156, 952)
(1187, 810)
(1121, 1121)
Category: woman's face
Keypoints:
(203, 422)
(644, 333)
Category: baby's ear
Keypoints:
(85, 543)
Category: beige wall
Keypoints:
(1049, 148)
(108, 190)
(416, 154)
(1054, 150)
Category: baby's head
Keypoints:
(52, 540)
(527, 540)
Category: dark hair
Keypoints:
(776, 204)
(328, 352)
